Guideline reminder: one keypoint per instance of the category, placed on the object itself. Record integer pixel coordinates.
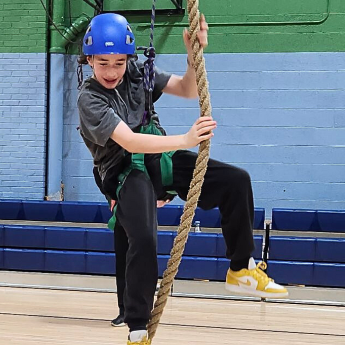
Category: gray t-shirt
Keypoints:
(101, 110)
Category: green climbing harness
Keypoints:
(138, 163)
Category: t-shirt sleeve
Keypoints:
(161, 80)
(97, 119)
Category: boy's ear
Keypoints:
(90, 60)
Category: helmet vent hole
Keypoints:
(129, 39)
(129, 29)
(88, 29)
(88, 41)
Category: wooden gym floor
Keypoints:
(40, 316)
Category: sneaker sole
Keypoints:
(119, 325)
(254, 293)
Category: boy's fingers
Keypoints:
(206, 129)
(203, 118)
(203, 23)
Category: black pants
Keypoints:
(121, 247)
(225, 186)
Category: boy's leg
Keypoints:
(228, 188)
(136, 212)
(121, 247)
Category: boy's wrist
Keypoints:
(184, 142)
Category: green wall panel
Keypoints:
(23, 26)
(246, 25)
(235, 25)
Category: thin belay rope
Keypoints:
(198, 174)
(149, 71)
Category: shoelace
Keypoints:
(260, 274)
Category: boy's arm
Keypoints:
(186, 86)
(148, 143)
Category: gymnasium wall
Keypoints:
(23, 99)
(276, 79)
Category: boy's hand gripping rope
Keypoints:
(198, 174)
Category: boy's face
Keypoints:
(108, 69)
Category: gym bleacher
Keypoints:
(306, 247)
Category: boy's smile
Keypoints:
(108, 69)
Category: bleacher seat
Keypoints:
(63, 249)
(331, 221)
(23, 236)
(100, 263)
(23, 259)
(330, 250)
(41, 210)
(297, 220)
(329, 275)
(289, 272)
(90, 212)
(292, 248)
(308, 220)
(11, 209)
(65, 261)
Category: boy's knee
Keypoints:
(243, 176)
(145, 242)
(239, 177)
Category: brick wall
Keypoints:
(280, 116)
(22, 125)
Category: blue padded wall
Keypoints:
(66, 238)
(88, 212)
(100, 240)
(41, 210)
(24, 259)
(201, 244)
(308, 220)
(1, 258)
(1, 235)
(290, 219)
(81, 212)
(165, 240)
(330, 250)
(24, 236)
(292, 248)
(10, 209)
(289, 272)
(198, 268)
(65, 261)
(100, 263)
(169, 215)
(333, 221)
(329, 275)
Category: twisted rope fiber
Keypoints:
(198, 175)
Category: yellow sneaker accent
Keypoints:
(254, 282)
(143, 341)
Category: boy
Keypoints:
(111, 108)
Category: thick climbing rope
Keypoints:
(198, 174)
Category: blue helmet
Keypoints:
(108, 33)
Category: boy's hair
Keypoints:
(82, 59)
